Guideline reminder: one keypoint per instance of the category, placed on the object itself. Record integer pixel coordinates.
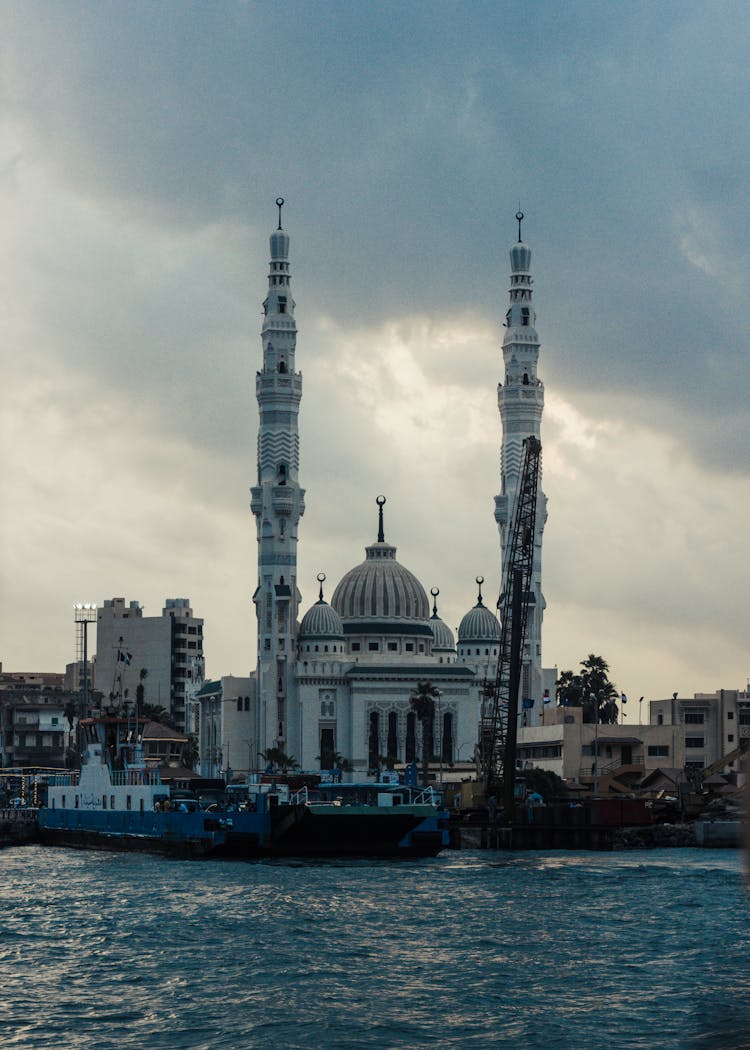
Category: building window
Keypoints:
(730, 738)
(104, 801)
(282, 304)
(239, 703)
(355, 647)
(409, 647)
(446, 747)
(327, 747)
(374, 647)
(694, 718)
(694, 741)
(392, 647)
(411, 737)
(129, 801)
(658, 750)
(393, 736)
(730, 714)
(373, 742)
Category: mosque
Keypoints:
(336, 681)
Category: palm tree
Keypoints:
(140, 688)
(333, 760)
(276, 756)
(422, 702)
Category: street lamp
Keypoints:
(84, 613)
(595, 701)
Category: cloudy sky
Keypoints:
(142, 146)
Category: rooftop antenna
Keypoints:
(381, 534)
(280, 205)
(519, 220)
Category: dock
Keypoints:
(18, 827)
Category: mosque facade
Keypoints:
(335, 682)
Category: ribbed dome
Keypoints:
(479, 625)
(520, 258)
(379, 588)
(443, 635)
(321, 621)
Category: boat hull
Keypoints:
(289, 831)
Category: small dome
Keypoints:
(321, 621)
(479, 624)
(279, 246)
(443, 640)
(520, 258)
(443, 635)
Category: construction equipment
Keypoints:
(696, 776)
(499, 717)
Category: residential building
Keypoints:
(164, 647)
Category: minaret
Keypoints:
(521, 401)
(277, 503)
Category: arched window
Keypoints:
(446, 747)
(411, 736)
(373, 743)
(392, 751)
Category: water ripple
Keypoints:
(101, 951)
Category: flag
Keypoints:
(623, 698)
(546, 696)
(528, 702)
(124, 657)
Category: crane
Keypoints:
(499, 715)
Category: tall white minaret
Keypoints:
(277, 503)
(521, 401)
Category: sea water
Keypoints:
(470, 949)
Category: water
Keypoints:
(564, 950)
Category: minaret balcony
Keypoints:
(282, 500)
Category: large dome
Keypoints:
(380, 589)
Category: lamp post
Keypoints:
(84, 613)
(595, 701)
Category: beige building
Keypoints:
(166, 647)
(706, 726)
(565, 745)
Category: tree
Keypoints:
(155, 713)
(140, 688)
(189, 755)
(70, 712)
(277, 757)
(590, 690)
(333, 760)
(422, 702)
(546, 783)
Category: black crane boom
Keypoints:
(499, 718)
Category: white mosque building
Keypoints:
(337, 679)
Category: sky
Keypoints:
(142, 147)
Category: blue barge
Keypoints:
(117, 803)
